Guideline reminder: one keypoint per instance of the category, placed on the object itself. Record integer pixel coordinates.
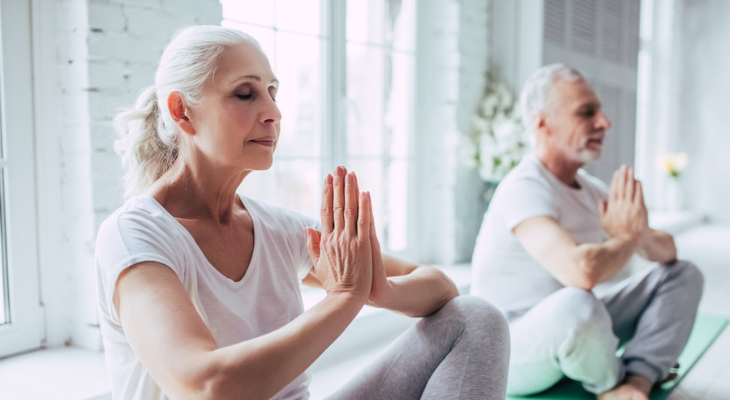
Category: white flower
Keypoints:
(498, 136)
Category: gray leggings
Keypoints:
(459, 352)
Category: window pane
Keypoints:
(365, 21)
(251, 11)
(387, 182)
(401, 24)
(294, 184)
(301, 16)
(398, 89)
(265, 37)
(365, 98)
(300, 95)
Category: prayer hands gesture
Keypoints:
(346, 253)
(624, 212)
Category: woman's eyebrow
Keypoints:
(256, 78)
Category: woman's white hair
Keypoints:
(148, 143)
(536, 92)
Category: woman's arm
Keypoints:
(410, 289)
(173, 343)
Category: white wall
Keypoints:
(451, 64)
(92, 56)
(703, 82)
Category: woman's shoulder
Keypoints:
(139, 221)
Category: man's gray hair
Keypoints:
(536, 92)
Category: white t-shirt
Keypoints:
(502, 270)
(265, 299)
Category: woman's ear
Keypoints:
(178, 110)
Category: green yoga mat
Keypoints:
(706, 330)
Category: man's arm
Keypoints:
(584, 266)
(657, 246)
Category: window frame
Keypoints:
(334, 150)
(24, 331)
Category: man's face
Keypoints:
(575, 121)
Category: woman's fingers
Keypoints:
(374, 243)
(326, 210)
(351, 206)
(364, 217)
(338, 204)
(313, 237)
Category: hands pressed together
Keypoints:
(346, 253)
(624, 213)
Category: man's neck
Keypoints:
(563, 169)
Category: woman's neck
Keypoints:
(198, 191)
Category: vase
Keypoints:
(675, 200)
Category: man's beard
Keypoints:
(586, 156)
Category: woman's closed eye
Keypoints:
(245, 96)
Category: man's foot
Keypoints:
(634, 387)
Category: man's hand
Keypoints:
(625, 212)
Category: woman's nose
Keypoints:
(271, 114)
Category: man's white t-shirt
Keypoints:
(502, 270)
(265, 299)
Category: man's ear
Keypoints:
(178, 112)
(539, 121)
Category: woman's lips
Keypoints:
(265, 142)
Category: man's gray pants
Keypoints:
(459, 352)
(575, 334)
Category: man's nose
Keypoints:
(603, 121)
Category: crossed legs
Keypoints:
(572, 333)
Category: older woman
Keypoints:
(198, 287)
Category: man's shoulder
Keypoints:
(525, 176)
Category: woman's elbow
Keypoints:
(212, 380)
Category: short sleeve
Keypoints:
(129, 238)
(523, 198)
(304, 262)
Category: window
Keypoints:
(20, 311)
(346, 72)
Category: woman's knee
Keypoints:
(477, 313)
(690, 275)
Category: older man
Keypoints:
(553, 232)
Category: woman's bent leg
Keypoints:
(459, 352)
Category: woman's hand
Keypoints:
(381, 289)
(342, 253)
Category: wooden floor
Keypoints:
(709, 248)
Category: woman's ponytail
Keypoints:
(146, 156)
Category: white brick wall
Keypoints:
(106, 51)
(451, 65)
